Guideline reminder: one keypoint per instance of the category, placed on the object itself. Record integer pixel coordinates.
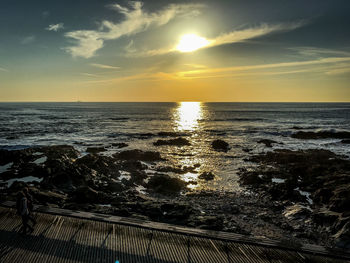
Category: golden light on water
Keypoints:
(191, 42)
(187, 115)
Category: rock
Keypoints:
(340, 201)
(210, 222)
(17, 186)
(347, 141)
(342, 237)
(297, 212)
(85, 194)
(325, 217)
(59, 152)
(62, 181)
(45, 197)
(167, 169)
(113, 187)
(171, 134)
(139, 155)
(120, 145)
(132, 165)
(178, 170)
(250, 178)
(101, 164)
(267, 142)
(164, 184)
(175, 142)
(96, 149)
(208, 176)
(321, 135)
(176, 212)
(220, 145)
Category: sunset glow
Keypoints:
(191, 42)
(131, 51)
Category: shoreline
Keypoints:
(91, 183)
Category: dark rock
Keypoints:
(171, 134)
(120, 145)
(59, 151)
(113, 187)
(210, 222)
(139, 155)
(208, 176)
(101, 164)
(18, 186)
(325, 217)
(164, 184)
(340, 201)
(175, 142)
(250, 178)
(85, 194)
(45, 197)
(137, 176)
(96, 149)
(342, 237)
(267, 142)
(220, 145)
(62, 181)
(178, 170)
(345, 141)
(132, 165)
(297, 212)
(321, 135)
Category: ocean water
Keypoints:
(137, 124)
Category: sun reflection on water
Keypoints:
(187, 115)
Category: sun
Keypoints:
(191, 42)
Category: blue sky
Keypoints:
(127, 50)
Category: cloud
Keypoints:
(322, 61)
(254, 32)
(55, 27)
(28, 40)
(338, 71)
(4, 69)
(231, 37)
(103, 66)
(89, 75)
(317, 52)
(135, 20)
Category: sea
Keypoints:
(242, 125)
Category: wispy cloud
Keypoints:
(89, 75)
(231, 37)
(55, 27)
(28, 40)
(199, 72)
(103, 66)
(254, 32)
(317, 52)
(328, 66)
(4, 69)
(135, 20)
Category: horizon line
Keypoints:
(174, 101)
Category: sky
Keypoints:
(159, 50)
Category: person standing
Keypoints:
(30, 205)
(22, 210)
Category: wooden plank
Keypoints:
(84, 238)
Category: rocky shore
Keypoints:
(297, 196)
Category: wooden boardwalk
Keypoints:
(69, 236)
